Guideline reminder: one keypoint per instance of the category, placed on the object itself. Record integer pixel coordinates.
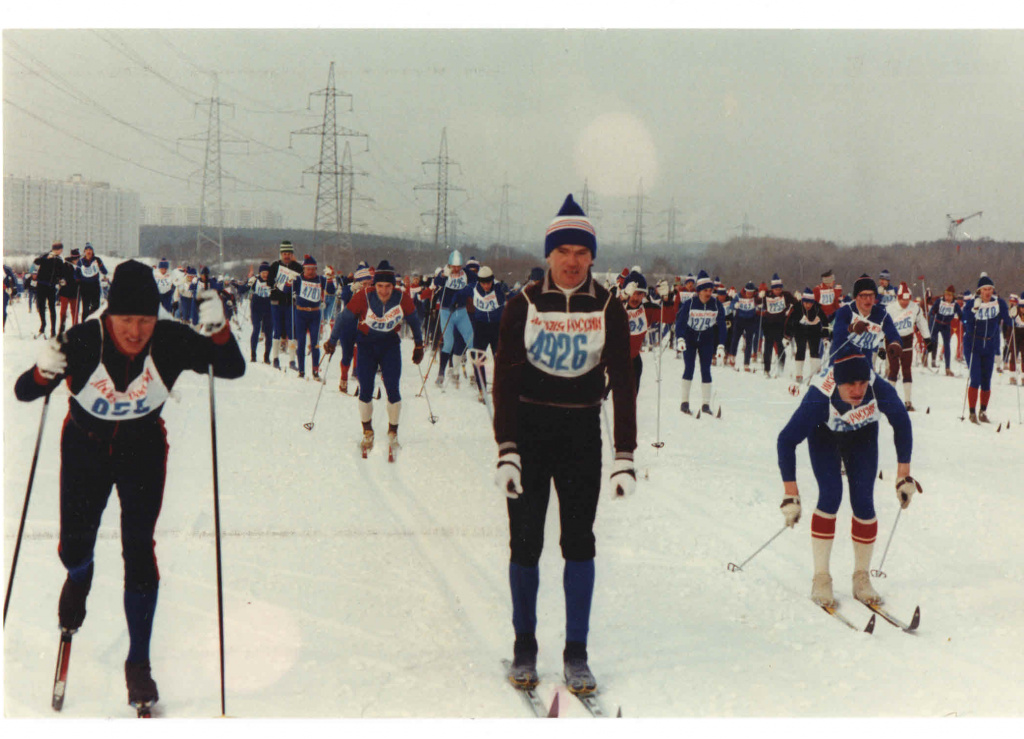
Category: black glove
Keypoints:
(826, 332)
(417, 354)
(881, 352)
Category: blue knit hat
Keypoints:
(985, 281)
(133, 291)
(750, 287)
(571, 226)
(864, 284)
(689, 277)
(885, 275)
(850, 365)
(264, 267)
(162, 264)
(635, 278)
(384, 273)
(703, 281)
(308, 261)
(776, 280)
(190, 270)
(808, 294)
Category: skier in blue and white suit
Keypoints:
(886, 292)
(485, 305)
(865, 324)
(373, 318)
(839, 418)
(187, 296)
(453, 292)
(259, 286)
(700, 322)
(308, 294)
(983, 317)
(164, 284)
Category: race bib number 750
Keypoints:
(564, 344)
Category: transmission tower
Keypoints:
(638, 225)
(671, 213)
(327, 219)
(745, 228)
(504, 217)
(443, 187)
(348, 190)
(211, 198)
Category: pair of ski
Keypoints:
(143, 709)
(532, 699)
(393, 451)
(878, 610)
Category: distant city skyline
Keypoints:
(850, 136)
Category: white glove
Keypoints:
(905, 490)
(791, 510)
(760, 293)
(52, 361)
(663, 289)
(211, 311)
(508, 476)
(623, 478)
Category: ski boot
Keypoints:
(71, 608)
(821, 590)
(393, 446)
(316, 374)
(706, 408)
(366, 445)
(863, 590)
(974, 417)
(252, 356)
(277, 363)
(142, 692)
(343, 385)
(910, 406)
(746, 368)
(455, 379)
(523, 672)
(685, 408)
(949, 372)
(302, 375)
(1013, 380)
(799, 379)
(439, 382)
(983, 417)
(578, 677)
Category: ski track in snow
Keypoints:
(359, 588)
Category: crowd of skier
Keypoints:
(561, 342)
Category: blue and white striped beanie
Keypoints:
(703, 281)
(985, 281)
(571, 226)
(776, 280)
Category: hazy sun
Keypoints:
(614, 152)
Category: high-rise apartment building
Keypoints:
(188, 215)
(38, 212)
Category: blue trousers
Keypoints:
(941, 329)
(706, 351)
(746, 327)
(983, 361)
(386, 356)
(261, 323)
(460, 322)
(307, 322)
(858, 451)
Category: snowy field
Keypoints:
(358, 588)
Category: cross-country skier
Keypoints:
(558, 339)
(120, 370)
(90, 271)
(941, 316)
(373, 319)
(775, 307)
(164, 283)
(1015, 338)
(804, 324)
(187, 296)
(828, 295)
(638, 312)
(308, 291)
(486, 305)
(68, 289)
(362, 281)
(983, 318)
(47, 283)
(700, 322)
(744, 324)
(906, 316)
(10, 288)
(839, 418)
(282, 274)
(259, 311)
(886, 292)
(865, 324)
(453, 290)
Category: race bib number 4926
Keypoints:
(564, 344)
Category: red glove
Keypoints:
(417, 354)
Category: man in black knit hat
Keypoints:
(119, 371)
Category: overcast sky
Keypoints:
(854, 136)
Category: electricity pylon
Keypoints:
(327, 219)
(443, 187)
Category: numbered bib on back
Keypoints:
(144, 394)
(564, 344)
(828, 297)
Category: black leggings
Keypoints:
(807, 337)
(565, 445)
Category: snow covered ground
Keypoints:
(357, 588)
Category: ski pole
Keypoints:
(24, 509)
(323, 382)
(478, 357)
(216, 526)
(879, 572)
(739, 568)
(433, 418)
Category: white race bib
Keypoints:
(284, 278)
(828, 297)
(310, 291)
(261, 289)
(485, 303)
(388, 322)
(701, 319)
(986, 311)
(564, 344)
(144, 394)
(91, 270)
(637, 320)
(854, 418)
(775, 305)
